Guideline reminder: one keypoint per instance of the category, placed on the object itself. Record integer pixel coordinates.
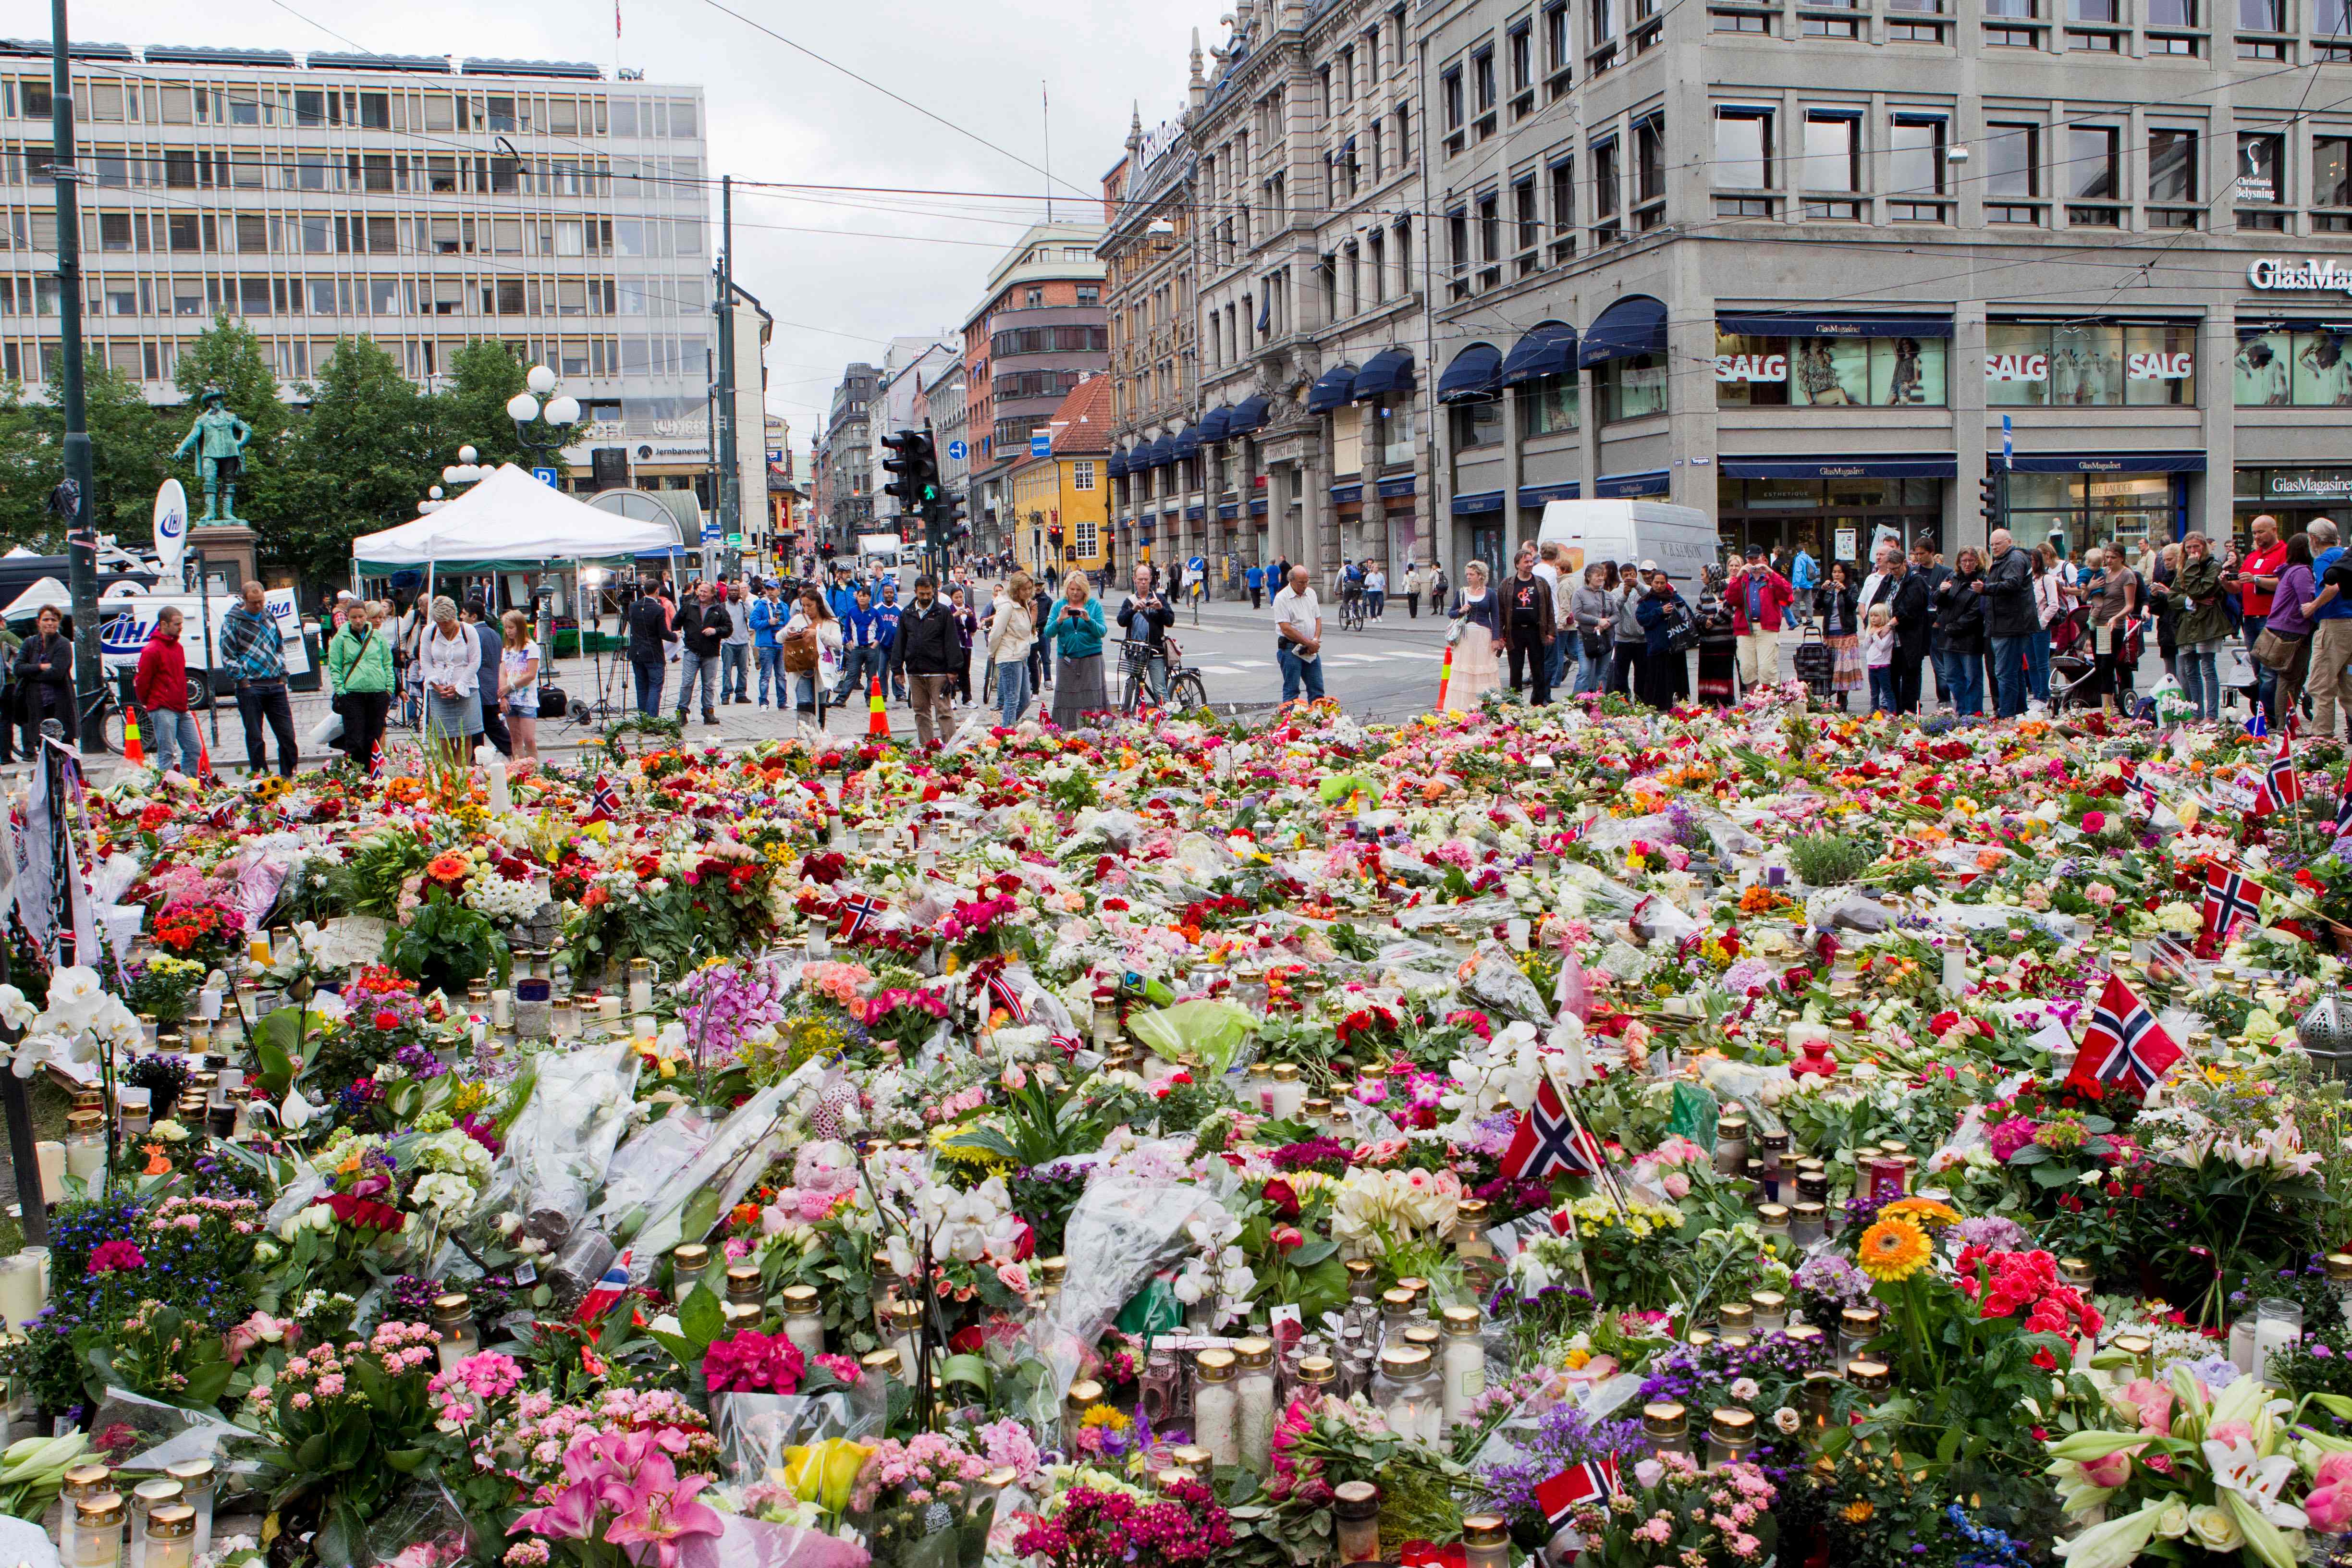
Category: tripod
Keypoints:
(602, 710)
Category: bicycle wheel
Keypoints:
(1188, 693)
(110, 729)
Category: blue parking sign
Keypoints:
(544, 476)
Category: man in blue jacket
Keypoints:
(863, 645)
(768, 617)
(886, 616)
(1804, 576)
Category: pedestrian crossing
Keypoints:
(1242, 666)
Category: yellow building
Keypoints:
(1061, 503)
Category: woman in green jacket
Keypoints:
(359, 677)
(2203, 627)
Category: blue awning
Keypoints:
(1635, 324)
(1925, 466)
(1150, 455)
(2103, 462)
(1117, 467)
(1536, 495)
(1258, 508)
(1624, 487)
(1548, 348)
(1485, 500)
(1247, 415)
(1228, 511)
(1344, 494)
(1185, 443)
(1194, 513)
(1470, 378)
(1213, 427)
(1330, 389)
(1392, 489)
(1806, 324)
(1390, 370)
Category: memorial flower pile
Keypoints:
(1701, 1139)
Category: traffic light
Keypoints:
(1990, 503)
(918, 470)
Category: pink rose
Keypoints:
(2111, 1472)
(2094, 821)
(1014, 1278)
(2230, 1432)
(1678, 1186)
(2330, 1508)
(2153, 1400)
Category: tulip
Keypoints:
(823, 1473)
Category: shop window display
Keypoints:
(1753, 372)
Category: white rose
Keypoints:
(2212, 1528)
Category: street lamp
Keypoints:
(555, 412)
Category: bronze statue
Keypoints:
(218, 438)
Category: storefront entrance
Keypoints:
(1832, 519)
(2077, 510)
(2297, 497)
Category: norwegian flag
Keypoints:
(2344, 806)
(2123, 1041)
(2231, 896)
(605, 802)
(2143, 792)
(858, 913)
(2282, 786)
(1578, 1483)
(607, 1291)
(1550, 1138)
(1003, 998)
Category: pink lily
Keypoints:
(660, 1518)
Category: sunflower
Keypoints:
(1894, 1249)
(1921, 1211)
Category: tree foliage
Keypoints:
(351, 453)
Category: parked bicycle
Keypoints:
(1184, 688)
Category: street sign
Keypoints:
(2008, 443)
(544, 476)
(735, 540)
(711, 533)
(1041, 443)
(957, 451)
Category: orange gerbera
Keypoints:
(448, 867)
(1894, 1249)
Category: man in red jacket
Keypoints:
(161, 687)
(1757, 595)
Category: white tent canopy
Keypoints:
(509, 519)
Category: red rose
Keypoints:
(1289, 1237)
(387, 1020)
(1278, 1192)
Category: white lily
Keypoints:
(2237, 1467)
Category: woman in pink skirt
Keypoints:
(1477, 628)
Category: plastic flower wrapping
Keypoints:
(1697, 1138)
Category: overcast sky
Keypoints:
(777, 114)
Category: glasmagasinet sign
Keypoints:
(2275, 274)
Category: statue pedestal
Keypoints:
(228, 552)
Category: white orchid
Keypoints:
(16, 1011)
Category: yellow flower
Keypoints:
(1894, 1249)
(1926, 1211)
(1859, 1511)
(1106, 1415)
(823, 1473)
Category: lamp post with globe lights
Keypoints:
(543, 417)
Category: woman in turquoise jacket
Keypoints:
(1075, 626)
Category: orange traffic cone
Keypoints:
(203, 759)
(878, 722)
(1445, 677)
(132, 750)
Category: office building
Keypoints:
(418, 200)
(845, 472)
(1151, 263)
(1036, 333)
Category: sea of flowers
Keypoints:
(1711, 1138)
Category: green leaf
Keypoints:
(1313, 1253)
(2053, 1175)
(405, 1460)
(969, 1370)
(685, 1350)
(701, 1318)
(2032, 1155)
(701, 1213)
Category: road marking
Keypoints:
(1252, 664)
(1429, 657)
(1216, 669)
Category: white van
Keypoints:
(125, 623)
(1681, 540)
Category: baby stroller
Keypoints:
(2073, 666)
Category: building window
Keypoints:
(1083, 537)
(2012, 173)
(1563, 209)
(1522, 46)
(2091, 176)
(1450, 92)
(1527, 221)
(1600, 35)
(1915, 169)
(1082, 474)
(2303, 363)
(1743, 149)
(1759, 371)
(1649, 173)
(2260, 185)
(2080, 364)
(1477, 422)
(2331, 182)
(1606, 228)
(1630, 388)
(2172, 179)
(1457, 238)
(1741, 21)
(1089, 294)
(1833, 162)
(1490, 241)
(1548, 405)
(1557, 70)
(1481, 74)
(1033, 298)
(1395, 425)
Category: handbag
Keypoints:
(1682, 631)
(2277, 650)
(552, 701)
